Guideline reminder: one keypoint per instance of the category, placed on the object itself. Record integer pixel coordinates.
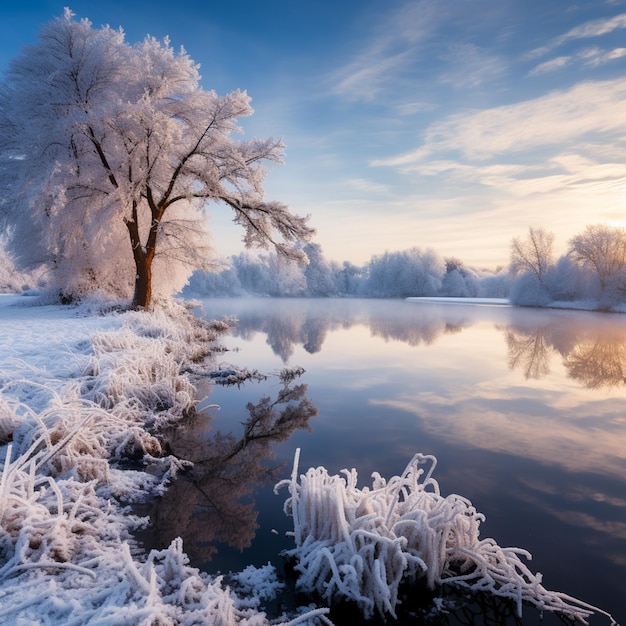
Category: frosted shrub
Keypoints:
(362, 544)
(526, 290)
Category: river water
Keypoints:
(523, 408)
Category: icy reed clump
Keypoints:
(66, 546)
(363, 544)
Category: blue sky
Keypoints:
(445, 124)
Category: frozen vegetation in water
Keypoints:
(83, 439)
(363, 544)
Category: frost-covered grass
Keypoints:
(85, 400)
(71, 420)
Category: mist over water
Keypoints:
(523, 408)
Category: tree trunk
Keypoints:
(143, 256)
(142, 297)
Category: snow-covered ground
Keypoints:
(450, 300)
(84, 400)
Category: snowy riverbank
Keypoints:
(577, 305)
(85, 400)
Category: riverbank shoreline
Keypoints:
(84, 400)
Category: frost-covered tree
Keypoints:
(602, 249)
(286, 277)
(459, 281)
(533, 254)
(12, 281)
(318, 273)
(252, 273)
(531, 260)
(224, 283)
(111, 152)
(349, 278)
(567, 281)
(407, 273)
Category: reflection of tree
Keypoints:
(599, 362)
(303, 322)
(528, 351)
(313, 334)
(425, 329)
(283, 332)
(212, 502)
(595, 355)
(298, 323)
(593, 348)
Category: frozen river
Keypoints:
(524, 409)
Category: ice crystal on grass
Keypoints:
(85, 442)
(362, 544)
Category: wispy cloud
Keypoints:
(416, 39)
(412, 107)
(470, 65)
(590, 57)
(596, 57)
(366, 76)
(557, 119)
(388, 50)
(550, 66)
(572, 171)
(367, 186)
(594, 28)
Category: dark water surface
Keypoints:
(523, 408)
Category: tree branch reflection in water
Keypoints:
(598, 362)
(596, 356)
(213, 501)
(529, 352)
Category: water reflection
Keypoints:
(594, 356)
(591, 346)
(529, 352)
(455, 607)
(523, 408)
(213, 501)
(598, 362)
(292, 323)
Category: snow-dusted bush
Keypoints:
(223, 283)
(362, 544)
(567, 282)
(12, 281)
(68, 558)
(526, 290)
(408, 273)
(493, 284)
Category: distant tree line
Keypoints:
(413, 272)
(590, 274)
